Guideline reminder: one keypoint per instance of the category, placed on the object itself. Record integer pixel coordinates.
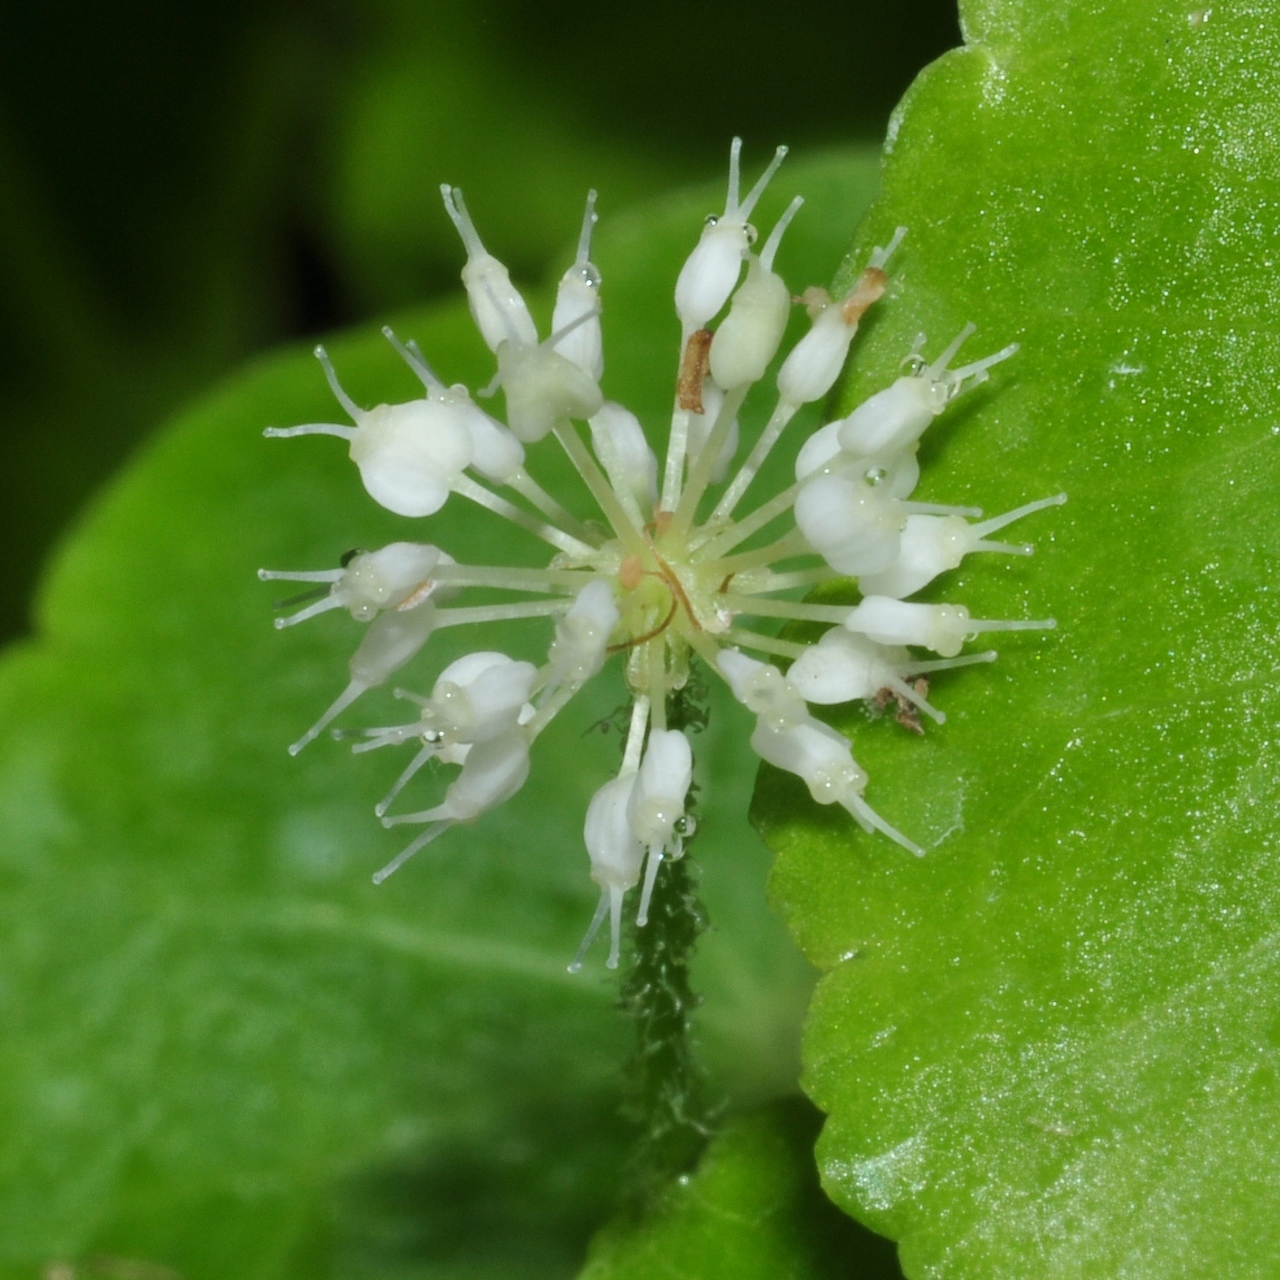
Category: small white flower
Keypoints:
(577, 311)
(895, 418)
(813, 366)
(711, 271)
(931, 545)
(616, 856)
(398, 575)
(657, 804)
(409, 455)
(856, 529)
(649, 581)
(844, 666)
(940, 627)
(750, 334)
(499, 311)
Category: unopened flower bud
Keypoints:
(815, 362)
(748, 337)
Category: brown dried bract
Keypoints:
(907, 713)
(693, 369)
(870, 288)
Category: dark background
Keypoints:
(183, 184)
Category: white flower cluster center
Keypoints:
(654, 583)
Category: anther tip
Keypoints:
(263, 575)
(1059, 499)
(318, 351)
(279, 624)
(575, 967)
(378, 877)
(295, 747)
(611, 963)
(387, 822)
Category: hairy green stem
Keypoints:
(665, 1084)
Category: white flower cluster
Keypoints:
(658, 586)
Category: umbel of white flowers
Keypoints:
(663, 581)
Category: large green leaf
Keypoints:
(1052, 1046)
(751, 1210)
(224, 1050)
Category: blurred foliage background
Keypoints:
(182, 185)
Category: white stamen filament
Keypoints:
(308, 575)
(600, 488)
(704, 464)
(793, 611)
(527, 487)
(558, 538)
(511, 579)
(782, 415)
(501, 612)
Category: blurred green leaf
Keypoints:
(225, 1051)
(752, 1210)
(412, 117)
(1052, 1046)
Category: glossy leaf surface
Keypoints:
(751, 1210)
(1051, 1046)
